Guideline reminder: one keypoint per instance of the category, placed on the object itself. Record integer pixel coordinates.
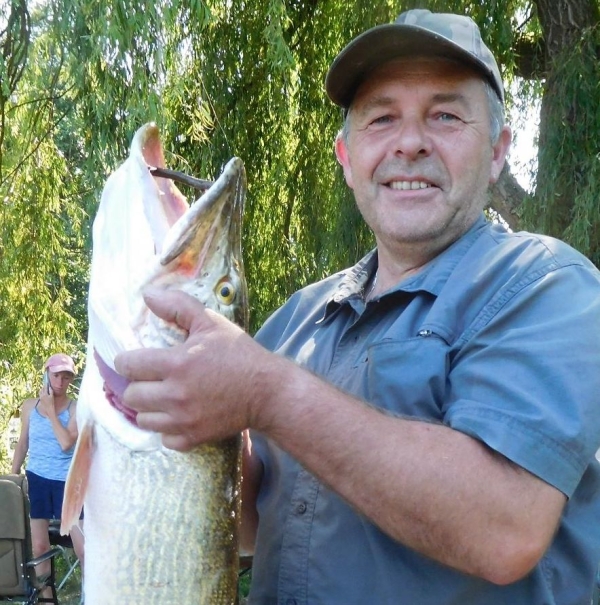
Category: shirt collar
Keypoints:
(430, 278)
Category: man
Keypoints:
(426, 432)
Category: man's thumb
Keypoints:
(173, 306)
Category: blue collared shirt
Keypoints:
(498, 337)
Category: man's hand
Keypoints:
(201, 390)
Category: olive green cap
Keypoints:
(415, 33)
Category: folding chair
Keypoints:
(65, 545)
(18, 578)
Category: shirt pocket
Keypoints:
(408, 377)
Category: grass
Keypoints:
(70, 592)
(244, 585)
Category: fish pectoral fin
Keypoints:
(77, 479)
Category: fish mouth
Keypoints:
(218, 210)
(212, 225)
(205, 245)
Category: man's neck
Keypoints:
(392, 270)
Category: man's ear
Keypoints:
(342, 155)
(500, 150)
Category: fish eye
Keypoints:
(225, 292)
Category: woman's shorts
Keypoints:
(45, 496)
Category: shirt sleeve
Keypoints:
(527, 380)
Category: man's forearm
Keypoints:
(428, 486)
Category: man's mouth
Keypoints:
(409, 185)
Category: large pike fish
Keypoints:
(160, 526)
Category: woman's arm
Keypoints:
(23, 444)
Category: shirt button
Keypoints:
(301, 509)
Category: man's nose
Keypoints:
(412, 138)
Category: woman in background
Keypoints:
(48, 434)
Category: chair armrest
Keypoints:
(45, 557)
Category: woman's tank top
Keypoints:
(46, 458)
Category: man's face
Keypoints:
(418, 153)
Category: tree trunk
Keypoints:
(14, 44)
(568, 115)
(562, 22)
(505, 198)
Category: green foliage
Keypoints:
(221, 78)
(41, 251)
(566, 199)
(258, 96)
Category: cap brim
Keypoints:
(385, 43)
(62, 368)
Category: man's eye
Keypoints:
(447, 117)
(382, 119)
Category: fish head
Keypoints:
(146, 234)
(202, 256)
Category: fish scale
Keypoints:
(161, 527)
(159, 561)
